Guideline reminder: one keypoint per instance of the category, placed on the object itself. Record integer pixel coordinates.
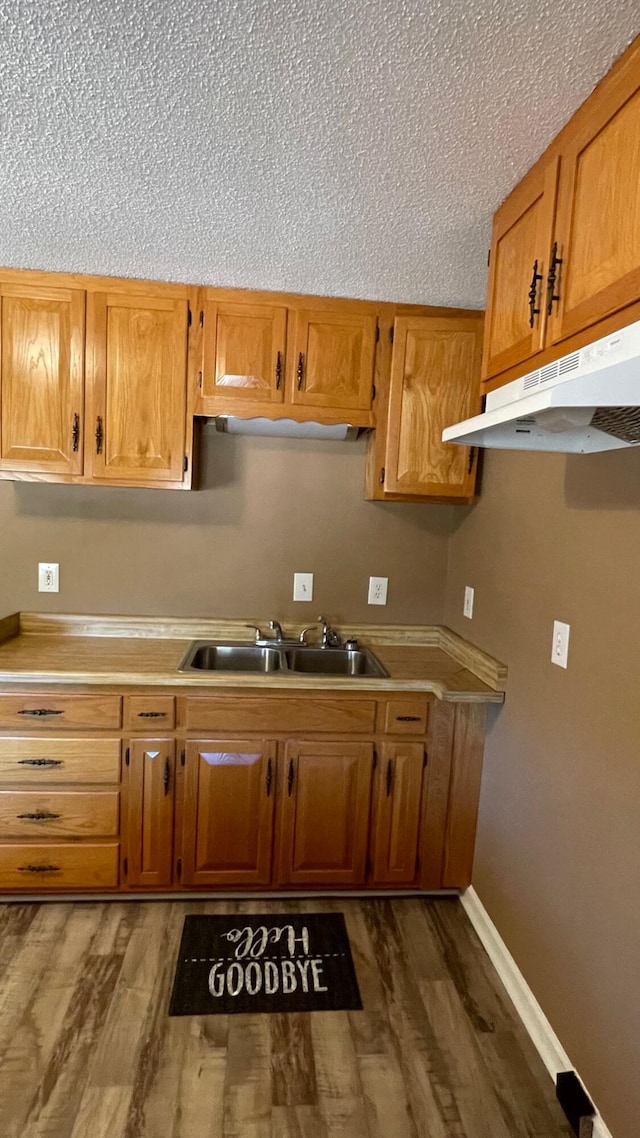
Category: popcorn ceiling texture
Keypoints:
(352, 147)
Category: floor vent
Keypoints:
(575, 1103)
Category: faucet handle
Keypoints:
(257, 630)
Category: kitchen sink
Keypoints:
(204, 656)
(209, 656)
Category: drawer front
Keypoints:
(43, 867)
(308, 714)
(27, 712)
(43, 760)
(33, 814)
(405, 716)
(149, 713)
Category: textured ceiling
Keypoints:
(327, 146)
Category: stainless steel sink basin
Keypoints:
(204, 656)
(210, 656)
(334, 662)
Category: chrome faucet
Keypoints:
(276, 627)
(330, 638)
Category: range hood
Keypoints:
(586, 401)
(284, 428)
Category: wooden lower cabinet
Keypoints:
(229, 796)
(325, 792)
(396, 814)
(150, 780)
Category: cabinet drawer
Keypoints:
(45, 760)
(149, 712)
(34, 814)
(46, 711)
(41, 867)
(308, 714)
(405, 716)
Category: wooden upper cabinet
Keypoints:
(228, 812)
(331, 359)
(598, 224)
(518, 268)
(42, 379)
(435, 381)
(244, 351)
(325, 791)
(136, 365)
(149, 824)
(397, 810)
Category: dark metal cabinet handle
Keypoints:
(40, 762)
(552, 295)
(269, 776)
(37, 711)
(381, 476)
(39, 868)
(408, 718)
(166, 778)
(290, 778)
(75, 432)
(39, 816)
(278, 370)
(99, 435)
(389, 776)
(300, 371)
(533, 294)
(151, 714)
(472, 458)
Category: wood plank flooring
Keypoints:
(87, 1049)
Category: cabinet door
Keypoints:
(518, 265)
(598, 224)
(150, 798)
(435, 381)
(332, 360)
(137, 361)
(244, 352)
(228, 812)
(325, 791)
(42, 379)
(397, 807)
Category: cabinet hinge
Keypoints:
(425, 758)
(201, 319)
(189, 317)
(179, 868)
(377, 331)
(186, 464)
(126, 757)
(391, 333)
(125, 866)
(182, 758)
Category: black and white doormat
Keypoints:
(285, 963)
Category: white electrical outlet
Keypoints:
(467, 608)
(303, 586)
(48, 577)
(378, 590)
(560, 644)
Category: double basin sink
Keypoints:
(210, 656)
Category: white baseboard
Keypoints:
(535, 1021)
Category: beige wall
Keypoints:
(269, 507)
(558, 852)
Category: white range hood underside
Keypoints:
(583, 402)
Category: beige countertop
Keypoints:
(39, 649)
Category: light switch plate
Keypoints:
(48, 577)
(378, 590)
(560, 644)
(303, 586)
(467, 608)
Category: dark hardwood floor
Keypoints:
(87, 1049)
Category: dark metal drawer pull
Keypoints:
(39, 868)
(290, 778)
(99, 436)
(278, 371)
(151, 714)
(166, 778)
(40, 762)
(40, 711)
(408, 718)
(389, 777)
(40, 816)
(533, 294)
(269, 776)
(300, 371)
(75, 432)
